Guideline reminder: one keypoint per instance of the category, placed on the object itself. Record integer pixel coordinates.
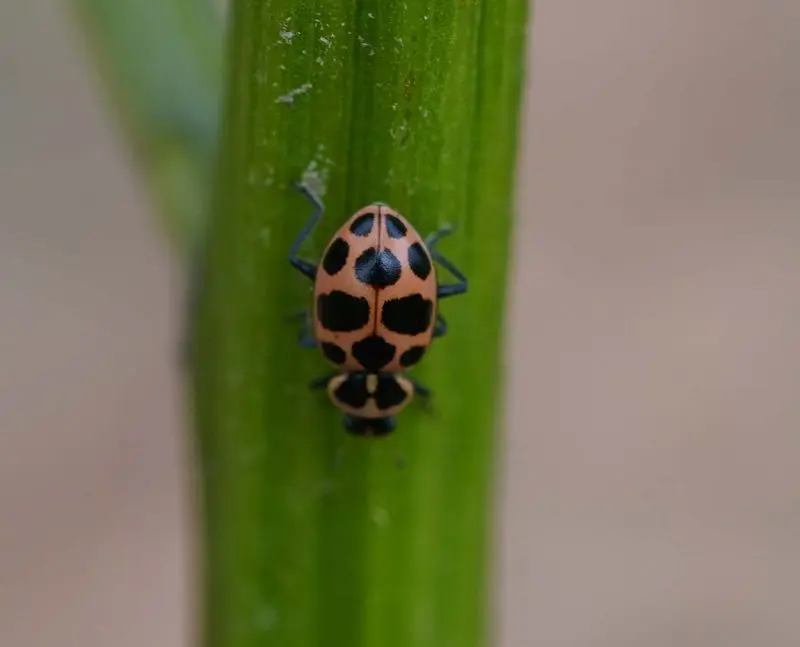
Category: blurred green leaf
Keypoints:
(161, 62)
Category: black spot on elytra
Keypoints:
(362, 225)
(342, 312)
(336, 256)
(373, 353)
(378, 269)
(418, 261)
(389, 392)
(333, 352)
(412, 356)
(409, 315)
(353, 391)
(395, 227)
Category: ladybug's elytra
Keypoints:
(375, 310)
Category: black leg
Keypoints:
(424, 393)
(304, 266)
(306, 334)
(419, 390)
(306, 338)
(297, 315)
(450, 289)
(321, 382)
(440, 329)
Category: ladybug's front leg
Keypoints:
(450, 289)
(302, 265)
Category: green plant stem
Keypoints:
(161, 64)
(314, 537)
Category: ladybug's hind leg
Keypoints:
(422, 392)
(306, 267)
(419, 390)
(449, 289)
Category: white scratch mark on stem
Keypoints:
(288, 98)
(317, 173)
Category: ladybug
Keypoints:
(375, 310)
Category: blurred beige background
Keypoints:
(652, 495)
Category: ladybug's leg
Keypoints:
(450, 289)
(422, 392)
(440, 329)
(321, 382)
(419, 390)
(306, 336)
(304, 266)
(307, 339)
